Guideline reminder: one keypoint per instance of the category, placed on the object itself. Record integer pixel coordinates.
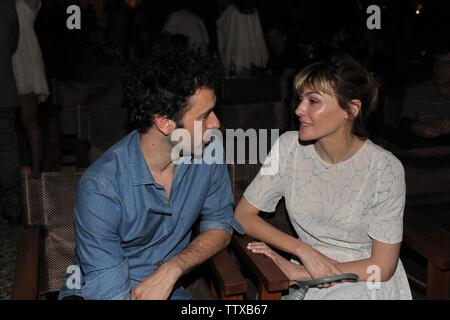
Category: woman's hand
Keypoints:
(317, 264)
(291, 270)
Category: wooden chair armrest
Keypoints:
(266, 271)
(26, 275)
(433, 243)
(231, 281)
(428, 239)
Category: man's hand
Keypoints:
(425, 131)
(160, 284)
(444, 127)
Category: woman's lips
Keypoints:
(304, 125)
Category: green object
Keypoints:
(299, 289)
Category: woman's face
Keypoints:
(320, 116)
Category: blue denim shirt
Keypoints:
(125, 225)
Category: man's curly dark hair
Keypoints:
(163, 84)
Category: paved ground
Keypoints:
(8, 243)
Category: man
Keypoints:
(135, 207)
(426, 109)
(10, 195)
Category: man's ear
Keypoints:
(355, 108)
(164, 124)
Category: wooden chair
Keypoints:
(65, 150)
(427, 224)
(270, 281)
(421, 234)
(426, 217)
(433, 243)
(47, 241)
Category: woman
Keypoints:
(29, 72)
(344, 195)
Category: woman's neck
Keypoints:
(337, 149)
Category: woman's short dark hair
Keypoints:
(163, 84)
(344, 78)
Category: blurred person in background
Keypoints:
(240, 38)
(10, 192)
(184, 21)
(29, 72)
(426, 107)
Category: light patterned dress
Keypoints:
(28, 65)
(338, 208)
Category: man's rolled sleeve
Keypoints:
(102, 262)
(217, 212)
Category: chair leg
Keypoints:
(213, 290)
(437, 282)
(25, 284)
(263, 294)
(218, 294)
(236, 297)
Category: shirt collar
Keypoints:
(140, 173)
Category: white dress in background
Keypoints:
(187, 23)
(28, 65)
(339, 208)
(241, 36)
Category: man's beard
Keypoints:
(194, 149)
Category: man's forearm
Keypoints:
(160, 284)
(203, 247)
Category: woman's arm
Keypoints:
(384, 256)
(256, 227)
(315, 263)
(379, 267)
(294, 271)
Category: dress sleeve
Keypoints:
(267, 188)
(387, 223)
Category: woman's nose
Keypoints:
(213, 121)
(300, 110)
